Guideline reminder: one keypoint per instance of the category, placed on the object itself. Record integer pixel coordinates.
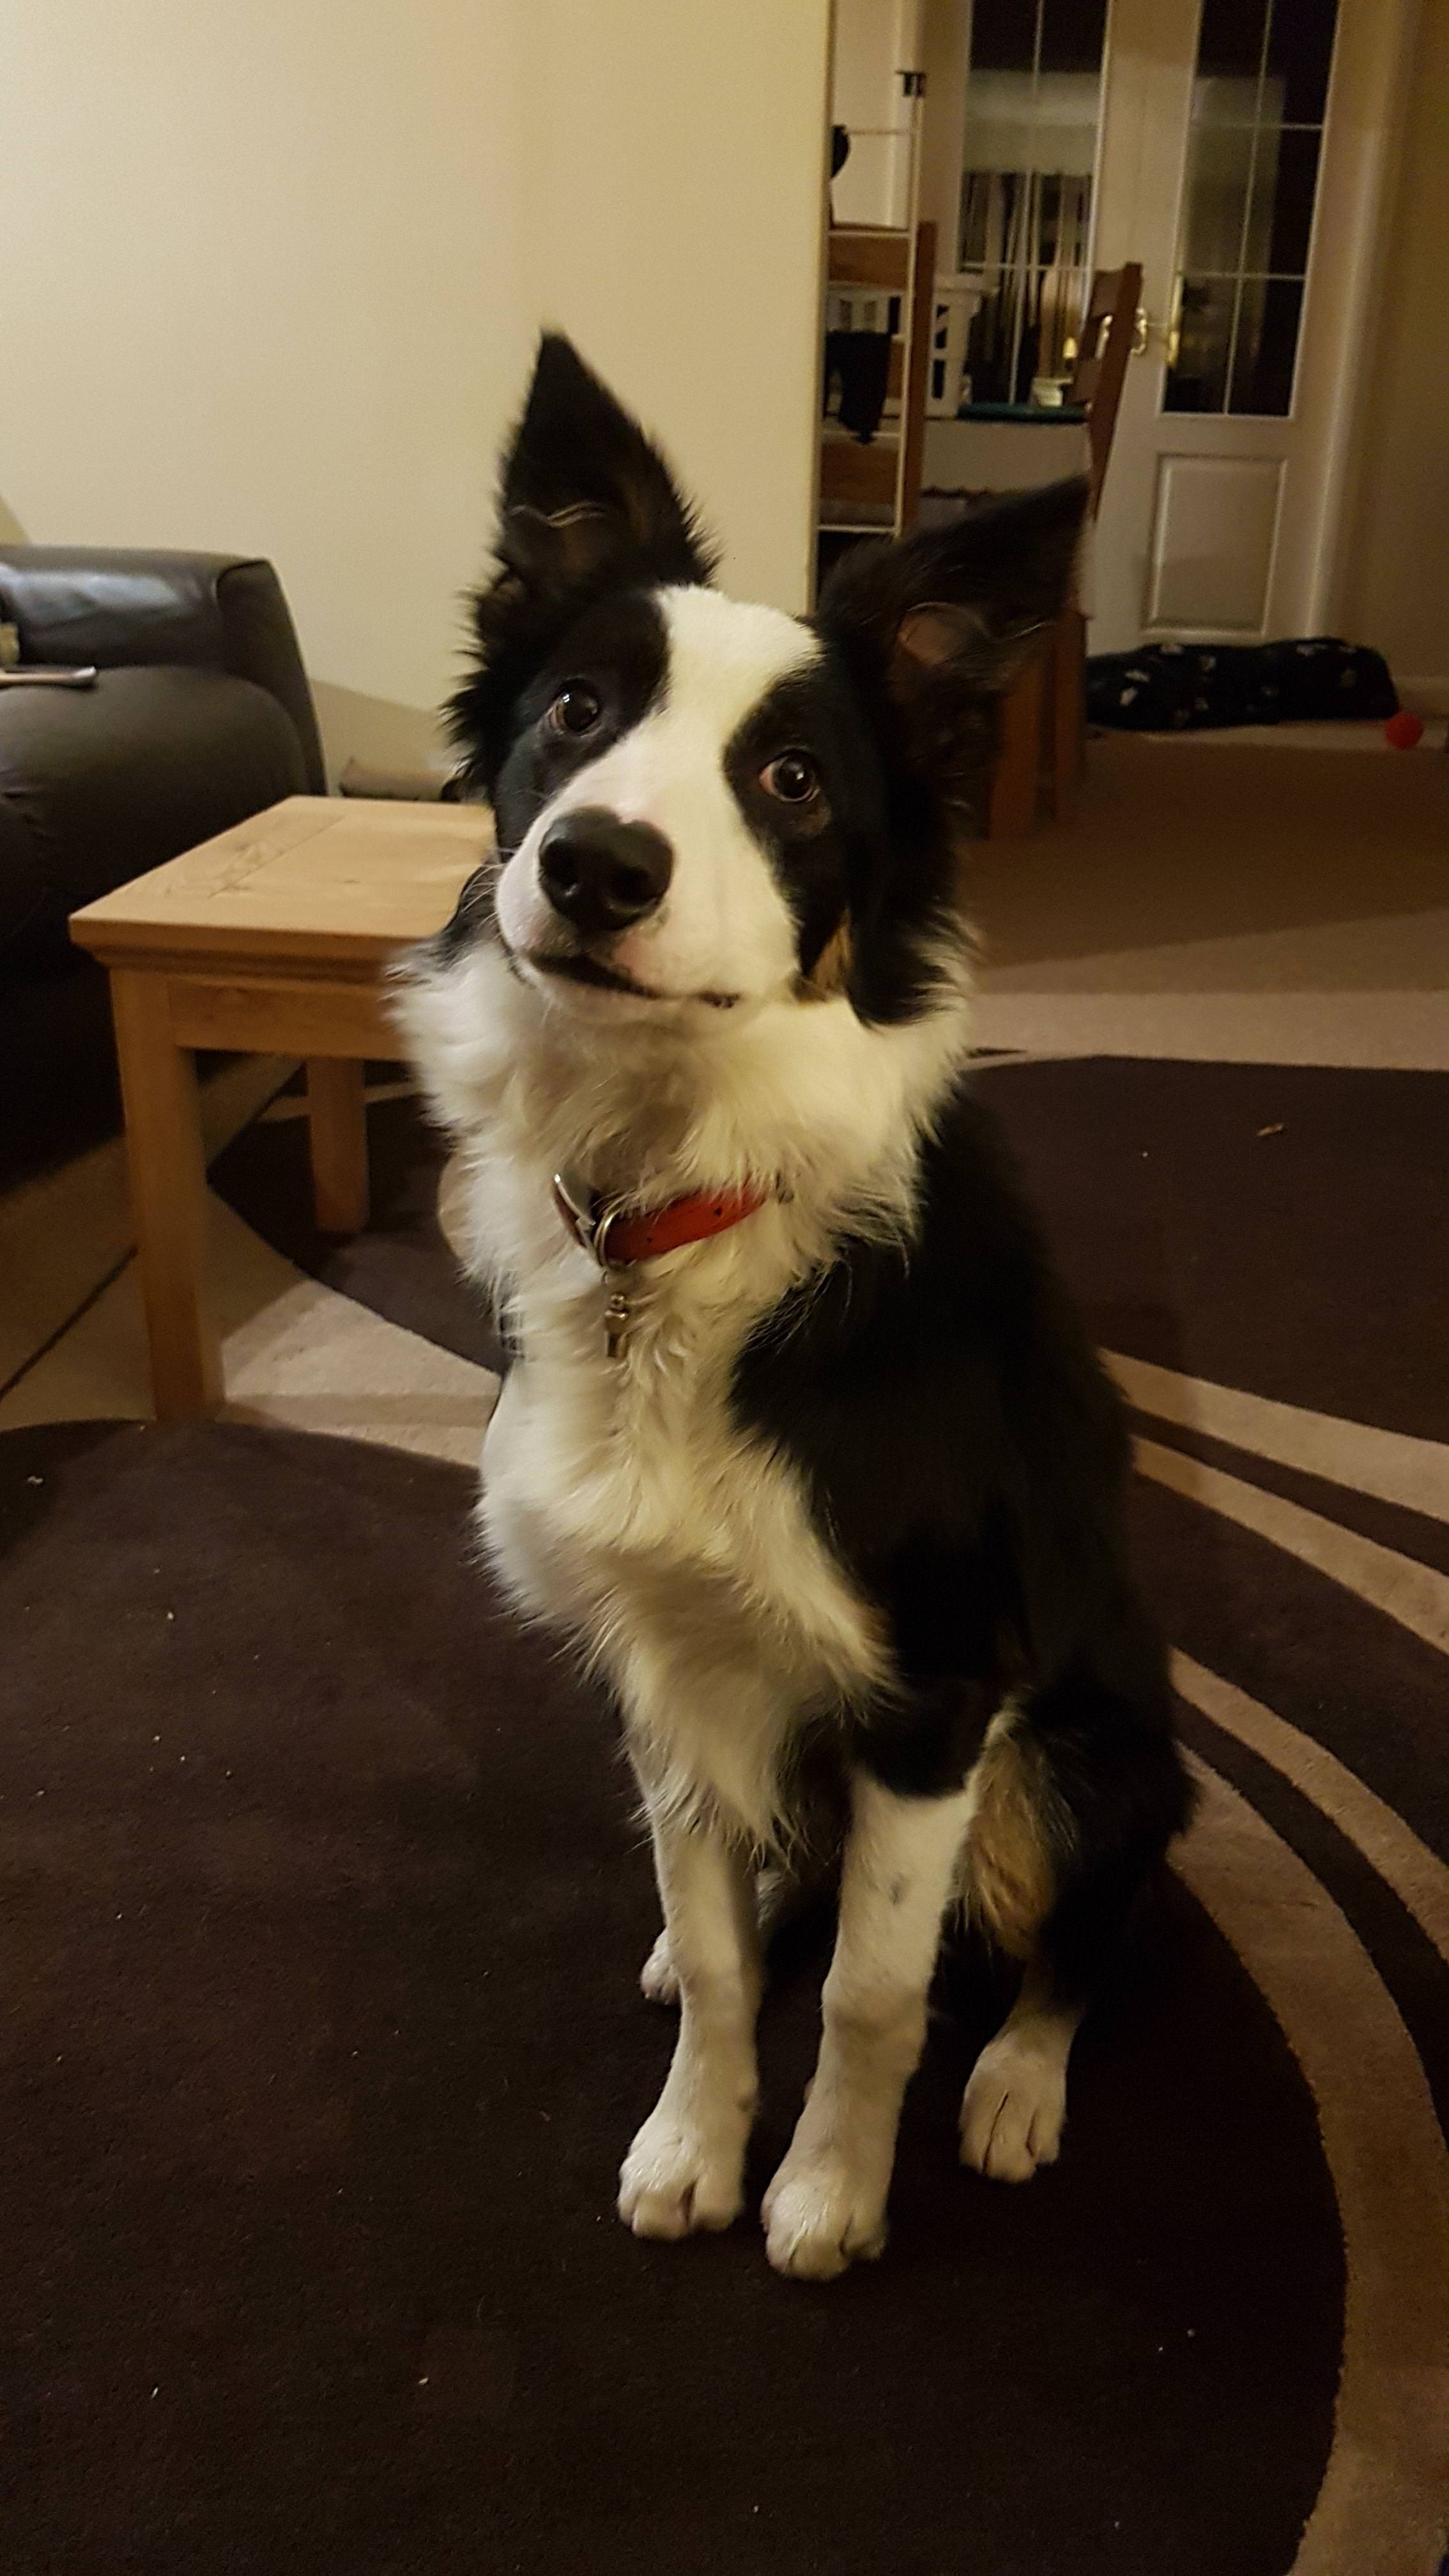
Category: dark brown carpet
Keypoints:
(322, 1916)
(1306, 1263)
(322, 1910)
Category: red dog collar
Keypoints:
(618, 1237)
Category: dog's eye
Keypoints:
(576, 709)
(792, 777)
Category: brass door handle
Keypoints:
(1141, 334)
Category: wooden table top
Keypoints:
(336, 882)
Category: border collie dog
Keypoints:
(802, 1444)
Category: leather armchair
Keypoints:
(201, 714)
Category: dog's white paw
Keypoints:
(677, 2179)
(658, 1978)
(820, 2214)
(1014, 2107)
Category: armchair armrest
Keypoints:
(75, 604)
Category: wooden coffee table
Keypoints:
(272, 939)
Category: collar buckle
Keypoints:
(587, 1218)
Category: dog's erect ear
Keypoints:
(968, 597)
(941, 623)
(586, 498)
(586, 504)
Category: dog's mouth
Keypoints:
(576, 966)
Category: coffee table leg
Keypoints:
(168, 1196)
(338, 1108)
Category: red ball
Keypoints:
(1403, 730)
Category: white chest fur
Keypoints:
(623, 1501)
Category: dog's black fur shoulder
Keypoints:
(967, 1459)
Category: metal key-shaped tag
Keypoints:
(588, 1222)
(617, 1314)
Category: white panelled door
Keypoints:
(1242, 162)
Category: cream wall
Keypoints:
(1396, 593)
(673, 181)
(272, 271)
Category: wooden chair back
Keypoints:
(913, 390)
(1109, 327)
(1043, 719)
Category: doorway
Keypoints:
(1235, 167)
(1238, 150)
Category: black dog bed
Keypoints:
(1171, 688)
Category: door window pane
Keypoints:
(1003, 36)
(1230, 44)
(1072, 33)
(1219, 175)
(1284, 183)
(1300, 48)
(1252, 175)
(1033, 103)
(1265, 345)
(1198, 379)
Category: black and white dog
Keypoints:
(802, 1443)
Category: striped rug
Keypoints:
(322, 1904)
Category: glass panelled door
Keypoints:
(1221, 125)
(1028, 158)
(1259, 97)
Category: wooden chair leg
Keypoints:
(1012, 809)
(1068, 709)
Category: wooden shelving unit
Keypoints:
(875, 489)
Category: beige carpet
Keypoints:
(1215, 900)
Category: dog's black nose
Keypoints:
(600, 873)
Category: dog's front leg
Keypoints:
(826, 2205)
(685, 2168)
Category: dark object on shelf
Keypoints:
(1177, 688)
(861, 361)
